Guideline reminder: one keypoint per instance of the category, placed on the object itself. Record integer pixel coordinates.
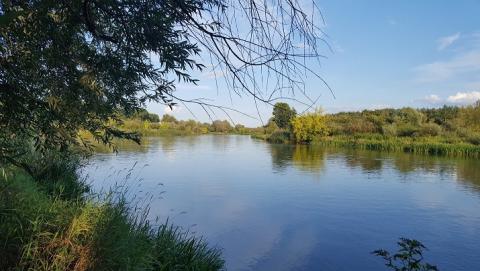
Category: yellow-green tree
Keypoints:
(306, 127)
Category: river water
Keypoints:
(284, 207)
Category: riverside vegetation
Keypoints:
(55, 223)
(449, 130)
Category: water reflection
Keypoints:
(312, 159)
(468, 171)
(367, 161)
(302, 157)
(287, 207)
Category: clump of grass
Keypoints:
(427, 146)
(279, 136)
(44, 231)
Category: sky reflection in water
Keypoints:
(283, 207)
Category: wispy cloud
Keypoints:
(460, 64)
(445, 42)
(460, 98)
(464, 97)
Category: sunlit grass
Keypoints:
(42, 231)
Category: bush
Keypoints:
(307, 127)
(474, 139)
(406, 130)
(429, 129)
(221, 126)
(389, 130)
(279, 136)
(169, 118)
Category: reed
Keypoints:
(41, 229)
(425, 146)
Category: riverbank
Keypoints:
(419, 145)
(56, 224)
(425, 146)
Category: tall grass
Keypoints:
(426, 146)
(43, 229)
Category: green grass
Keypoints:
(427, 145)
(419, 145)
(41, 229)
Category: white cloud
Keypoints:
(192, 87)
(461, 64)
(464, 97)
(431, 99)
(445, 42)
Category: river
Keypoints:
(284, 207)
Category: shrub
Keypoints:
(279, 136)
(307, 127)
(429, 129)
(389, 130)
(221, 126)
(474, 139)
(169, 118)
(406, 130)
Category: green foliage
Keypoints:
(144, 115)
(283, 114)
(307, 127)
(45, 232)
(70, 66)
(407, 130)
(409, 257)
(389, 130)
(469, 117)
(441, 116)
(410, 116)
(279, 136)
(429, 129)
(474, 139)
(221, 126)
(169, 118)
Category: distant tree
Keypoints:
(307, 127)
(270, 127)
(169, 118)
(409, 115)
(221, 126)
(283, 114)
(240, 128)
(144, 115)
(469, 117)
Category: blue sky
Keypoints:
(385, 54)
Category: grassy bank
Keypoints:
(447, 131)
(52, 224)
(419, 145)
(425, 146)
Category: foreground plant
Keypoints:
(409, 257)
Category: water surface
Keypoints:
(283, 207)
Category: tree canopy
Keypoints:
(283, 114)
(73, 65)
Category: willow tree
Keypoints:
(71, 65)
